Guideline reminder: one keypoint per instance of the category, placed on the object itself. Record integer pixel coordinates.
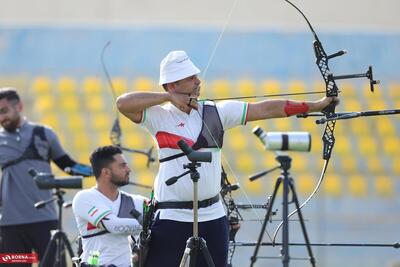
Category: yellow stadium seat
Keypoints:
(396, 165)
(299, 162)
(69, 103)
(386, 126)
(332, 185)
(75, 122)
(221, 88)
(144, 178)
(309, 125)
(134, 140)
(394, 90)
(268, 160)
(357, 185)
(340, 128)
(247, 87)
(237, 140)
(125, 122)
(271, 87)
(245, 162)
(103, 138)
(283, 124)
(360, 127)
(101, 121)
(304, 184)
(319, 86)
(367, 145)
(66, 86)
(352, 105)
(44, 103)
(342, 145)
(144, 84)
(349, 164)
(82, 155)
(88, 182)
(317, 148)
(41, 86)
(96, 103)
(296, 87)
(52, 120)
(377, 104)
(384, 186)
(374, 165)
(347, 90)
(391, 145)
(81, 142)
(120, 85)
(92, 86)
(139, 162)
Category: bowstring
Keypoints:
(227, 21)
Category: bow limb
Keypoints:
(116, 132)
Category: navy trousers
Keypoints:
(168, 242)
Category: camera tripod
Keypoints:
(59, 240)
(288, 184)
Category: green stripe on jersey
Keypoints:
(101, 216)
(144, 116)
(243, 121)
(91, 209)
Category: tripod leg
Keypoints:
(67, 244)
(186, 253)
(59, 241)
(303, 226)
(46, 261)
(194, 252)
(264, 225)
(285, 220)
(207, 256)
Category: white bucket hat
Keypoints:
(176, 66)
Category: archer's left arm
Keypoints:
(269, 109)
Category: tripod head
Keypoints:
(195, 157)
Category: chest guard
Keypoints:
(31, 151)
(211, 133)
(127, 209)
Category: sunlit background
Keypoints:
(51, 50)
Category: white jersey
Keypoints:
(90, 206)
(167, 124)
